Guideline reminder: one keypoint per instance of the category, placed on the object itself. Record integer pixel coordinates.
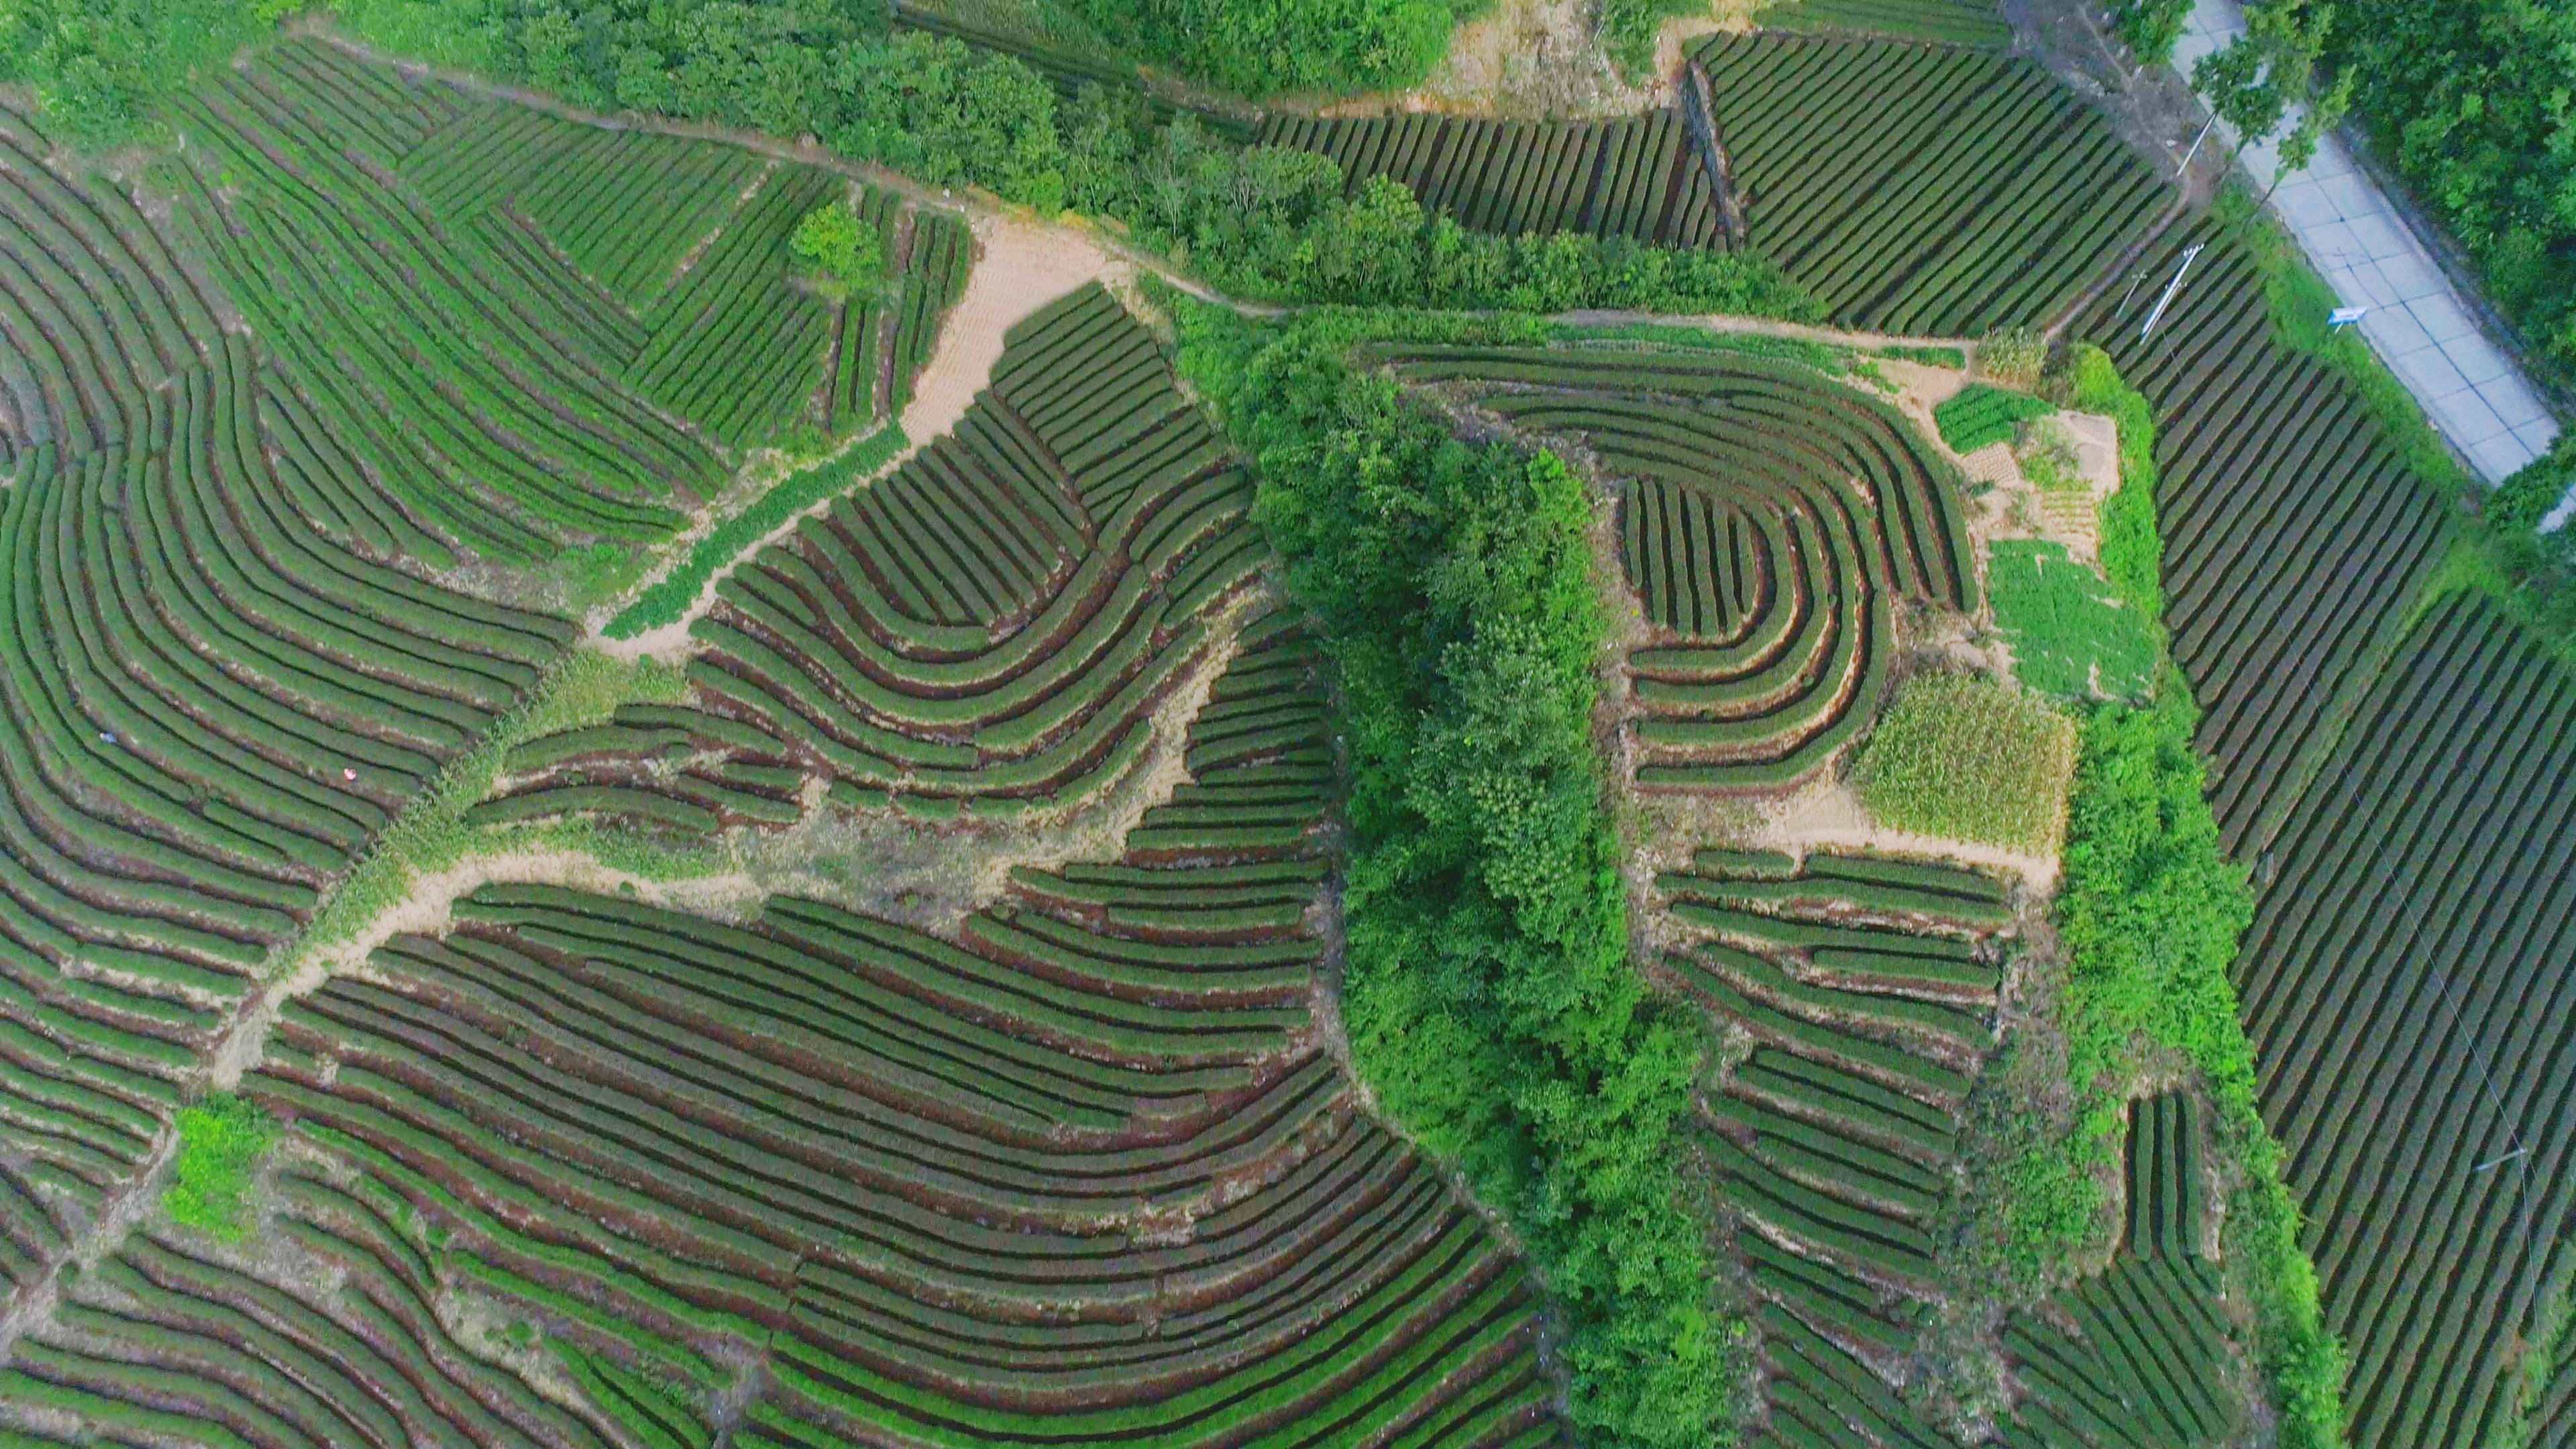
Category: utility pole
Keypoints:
(2195, 145)
(2190, 254)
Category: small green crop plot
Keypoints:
(1980, 415)
(2071, 635)
(1966, 758)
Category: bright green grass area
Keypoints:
(2071, 635)
(220, 1142)
(1954, 358)
(671, 596)
(1966, 758)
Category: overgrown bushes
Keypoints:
(98, 70)
(2469, 100)
(220, 1142)
(1260, 48)
(1489, 995)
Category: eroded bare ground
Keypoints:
(1020, 266)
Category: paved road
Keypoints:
(2471, 388)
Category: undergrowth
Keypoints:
(221, 1140)
(669, 598)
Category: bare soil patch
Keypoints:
(1020, 266)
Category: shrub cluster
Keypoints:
(1260, 48)
(220, 1142)
(98, 69)
(1489, 994)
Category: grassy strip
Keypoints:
(670, 597)
(2300, 300)
(1488, 993)
(1954, 358)
(221, 1140)
(583, 688)
(2150, 916)
(1825, 357)
(1966, 758)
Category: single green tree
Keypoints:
(840, 253)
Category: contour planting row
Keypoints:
(1772, 522)
(1081, 1170)
(2143, 1356)
(211, 706)
(733, 345)
(933, 278)
(94, 311)
(671, 257)
(465, 392)
(2406, 991)
(997, 622)
(2294, 531)
(1924, 189)
(329, 1333)
(1950, 22)
(1637, 177)
(860, 340)
(1865, 983)
(667, 766)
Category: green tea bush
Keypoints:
(1966, 758)
(221, 1140)
(1980, 414)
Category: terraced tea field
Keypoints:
(565, 1167)
(2406, 989)
(1638, 177)
(2294, 533)
(1773, 522)
(892, 997)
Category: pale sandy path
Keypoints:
(1834, 819)
(1020, 266)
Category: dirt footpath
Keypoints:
(1020, 266)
